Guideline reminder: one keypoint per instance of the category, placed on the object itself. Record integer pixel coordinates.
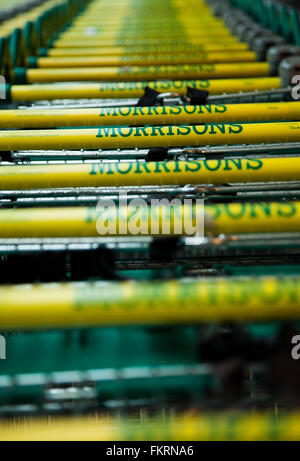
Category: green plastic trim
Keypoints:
(32, 62)
(295, 21)
(285, 25)
(20, 75)
(14, 46)
(274, 18)
(7, 93)
(282, 19)
(43, 51)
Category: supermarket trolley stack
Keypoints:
(119, 319)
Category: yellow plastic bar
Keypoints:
(134, 50)
(84, 22)
(145, 60)
(139, 73)
(244, 170)
(137, 38)
(206, 25)
(88, 20)
(121, 15)
(110, 38)
(160, 115)
(156, 35)
(117, 22)
(136, 89)
(77, 43)
(206, 427)
(233, 218)
(93, 26)
(155, 136)
(144, 24)
(71, 305)
(145, 29)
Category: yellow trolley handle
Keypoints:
(72, 42)
(71, 305)
(141, 51)
(159, 220)
(207, 427)
(135, 89)
(142, 73)
(161, 115)
(146, 137)
(138, 173)
(144, 60)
